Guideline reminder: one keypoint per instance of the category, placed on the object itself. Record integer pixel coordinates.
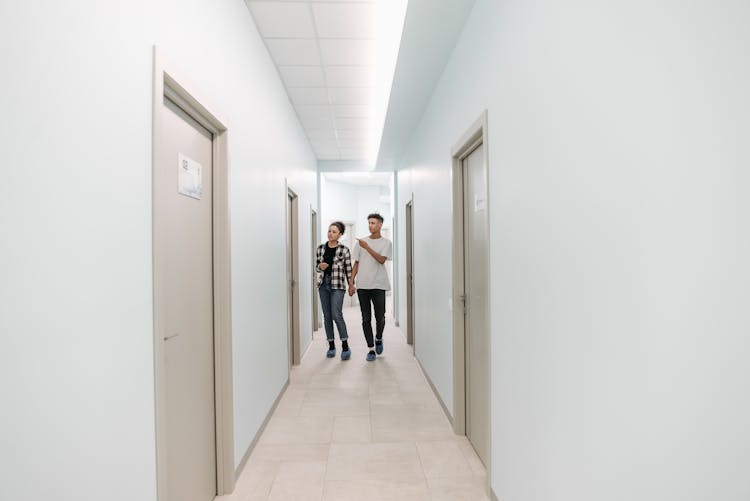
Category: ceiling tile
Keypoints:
(351, 111)
(347, 144)
(316, 122)
(344, 20)
(322, 133)
(352, 133)
(353, 123)
(327, 144)
(308, 95)
(293, 52)
(349, 95)
(313, 110)
(337, 52)
(303, 76)
(349, 76)
(327, 154)
(357, 154)
(283, 20)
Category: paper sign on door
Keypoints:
(189, 177)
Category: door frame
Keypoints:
(293, 334)
(169, 82)
(409, 255)
(475, 135)
(314, 246)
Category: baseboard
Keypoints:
(249, 451)
(312, 340)
(434, 390)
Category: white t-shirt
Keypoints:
(371, 274)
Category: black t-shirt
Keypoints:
(328, 258)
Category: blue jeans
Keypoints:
(332, 301)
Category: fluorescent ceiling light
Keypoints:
(388, 24)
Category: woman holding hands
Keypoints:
(334, 266)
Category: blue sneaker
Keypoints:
(331, 353)
(346, 354)
(370, 356)
(379, 346)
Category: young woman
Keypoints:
(334, 269)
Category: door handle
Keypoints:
(167, 338)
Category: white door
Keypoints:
(409, 275)
(293, 278)
(314, 240)
(476, 287)
(186, 241)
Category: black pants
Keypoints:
(377, 296)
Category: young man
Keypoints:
(369, 256)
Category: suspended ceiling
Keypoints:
(322, 50)
(326, 52)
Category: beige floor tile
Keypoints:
(387, 387)
(255, 482)
(290, 452)
(360, 431)
(301, 471)
(394, 398)
(298, 481)
(396, 462)
(376, 490)
(458, 489)
(352, 429)
(443, 459)
(324, 381)
(298, 430)
(408, 422)
(471, 456)
(291, 402)
(324, 395)
(336, 406)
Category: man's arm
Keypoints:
(355, 268)
(380, 259)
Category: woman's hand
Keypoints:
(323, 266)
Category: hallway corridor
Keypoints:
(360, 431)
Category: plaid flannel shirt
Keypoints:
(341, 269)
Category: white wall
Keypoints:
(75, 303)
(618, 206)
(351, 203)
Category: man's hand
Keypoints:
(363, 243)
(352, 290)
(323, 266)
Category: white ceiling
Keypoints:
(324, 50)
(382, 179)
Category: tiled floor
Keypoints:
(360, 431)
